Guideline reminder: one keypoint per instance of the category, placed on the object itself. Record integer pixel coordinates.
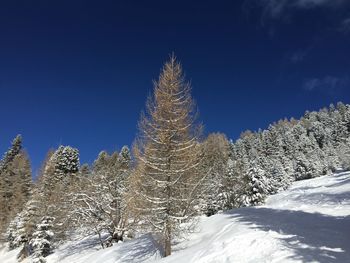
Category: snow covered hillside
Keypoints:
(310, 222)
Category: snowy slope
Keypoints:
(310, 222)
(143, 249)
(8, 256)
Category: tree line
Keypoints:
(172, 174)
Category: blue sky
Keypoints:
(78, 72)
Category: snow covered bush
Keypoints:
(99, 202)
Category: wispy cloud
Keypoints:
(298, 56)
(315, 3)
(284, 10)
(276, 8)
(329, 84)
(345, 26)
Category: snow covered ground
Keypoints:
(310, 222)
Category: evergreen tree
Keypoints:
(56, 183)
(20, 170)
(22, 227)
(66, 164)
(15, 182)
(8, 157)
(258, 184)
(214, 168)
(41, 240)
(270, 160)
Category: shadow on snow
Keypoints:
(312, 236)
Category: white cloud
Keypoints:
(329, 84)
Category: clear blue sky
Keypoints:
(78, 72)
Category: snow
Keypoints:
(8, 256)
(309, 222)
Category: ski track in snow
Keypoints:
(310, 222)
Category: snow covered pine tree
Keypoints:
(41, 240)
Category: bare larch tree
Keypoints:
(168, 155)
